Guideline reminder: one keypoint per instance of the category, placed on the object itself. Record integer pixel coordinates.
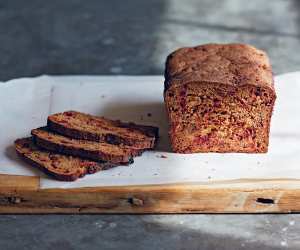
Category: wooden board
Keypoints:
(21, 194)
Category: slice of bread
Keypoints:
(83, 126)
(61, 167)
(96, 151)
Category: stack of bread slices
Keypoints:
(74, 144)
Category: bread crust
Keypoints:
(230, 64)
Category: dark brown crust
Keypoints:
(96, 155)
(151, 133)
(230, 64)
(60, 176)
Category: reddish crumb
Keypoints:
(183, 92)
(182, 103)
(217, 103)
(63, 121)
(87, 164)
(69, 113)
(201, 139)
(183, 97)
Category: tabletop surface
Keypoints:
(133, 38)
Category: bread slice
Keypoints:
(61, 167)
(97, 151)
(83, 126)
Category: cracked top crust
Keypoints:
(231, 64)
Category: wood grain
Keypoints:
(19, 194)
(19, 182)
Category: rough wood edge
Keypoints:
(239, 196)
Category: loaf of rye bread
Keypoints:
(97, 151)
(84, 126)
(61, 167)
(219, 98)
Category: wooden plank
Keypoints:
(19, 182)
(242, 196)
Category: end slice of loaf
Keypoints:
(96, 151)
(61, 167)
(84, 126)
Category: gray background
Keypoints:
(134, 37)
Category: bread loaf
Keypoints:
(219, 98)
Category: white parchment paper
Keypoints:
(25, 104)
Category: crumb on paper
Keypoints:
(209, 177)
(258, 162)
(161, 156)
(206, 162)
(102, 96)
(155, 174)
(149, 114)
(213, 169)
